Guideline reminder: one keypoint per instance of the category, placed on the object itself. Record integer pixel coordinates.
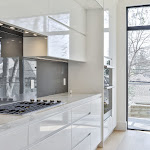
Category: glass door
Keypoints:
(138, 71)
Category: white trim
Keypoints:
(121, 126)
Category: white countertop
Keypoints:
(68, 101)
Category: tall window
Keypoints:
(138, 29)
(106, 33)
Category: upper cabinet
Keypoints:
(19, 9)
(63, 22)
(90, 4)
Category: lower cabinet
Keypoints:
(84, 145)
(95, 123)
(108, 127)
(46, 127)
(89, 124)
(78, 128)
(79, 131)
(59, 141)
(14, 140)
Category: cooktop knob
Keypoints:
(38, 100)
(52, 101)
(31, 100)
(58, 101)
(45, 101)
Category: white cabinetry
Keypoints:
(77, 128)
(20, 9)
(80, 131)
(91, 4)
(64, 22)
(59, 141)
(96, 122)
(89, 124)
(14, 140)
(48, 126)
(85, 144)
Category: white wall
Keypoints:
(88, 77)
(121, 59)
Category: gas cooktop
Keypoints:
(20, 108)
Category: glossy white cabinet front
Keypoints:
(79, 131)
(48, 126)
(81, 111)
(67, 42)
(84, 145)
(88, 124)
(20, 9)
(95, 122)
(59, 141)
(76, 128)
(14, 140)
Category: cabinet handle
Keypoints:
(82, 140)
(65, 25)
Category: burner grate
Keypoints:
(21, 108)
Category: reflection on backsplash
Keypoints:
(16, 75)
(9, 78)
(30, 78)
(24, 79)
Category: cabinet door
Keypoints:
(21, 9)
(96, 120)
(48, 126)
(14, 140)
(91, 4)
(81, 111)
(75, 12)
(84, 145)
(108, 127)
(59, 141)
(80, 130)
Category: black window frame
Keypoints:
(132, 28)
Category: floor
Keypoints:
(139, 123)
(129, 140)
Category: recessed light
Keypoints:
(26, 32)
(35, 34)
(0, 37)
(45, 38)
(12, 40)
(13, 28)
(1, 24)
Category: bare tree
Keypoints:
(138, 42)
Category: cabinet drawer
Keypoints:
(95, 121)
(107, 127)
(80, 130)
(84, 145)
(15, 140)
(48, 126)
(81, 111)
(59, 141)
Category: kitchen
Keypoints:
(60, 73)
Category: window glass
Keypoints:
(138, 16)
(106, 19)
(106, 43)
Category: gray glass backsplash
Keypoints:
(51, 77)
(22, 79)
